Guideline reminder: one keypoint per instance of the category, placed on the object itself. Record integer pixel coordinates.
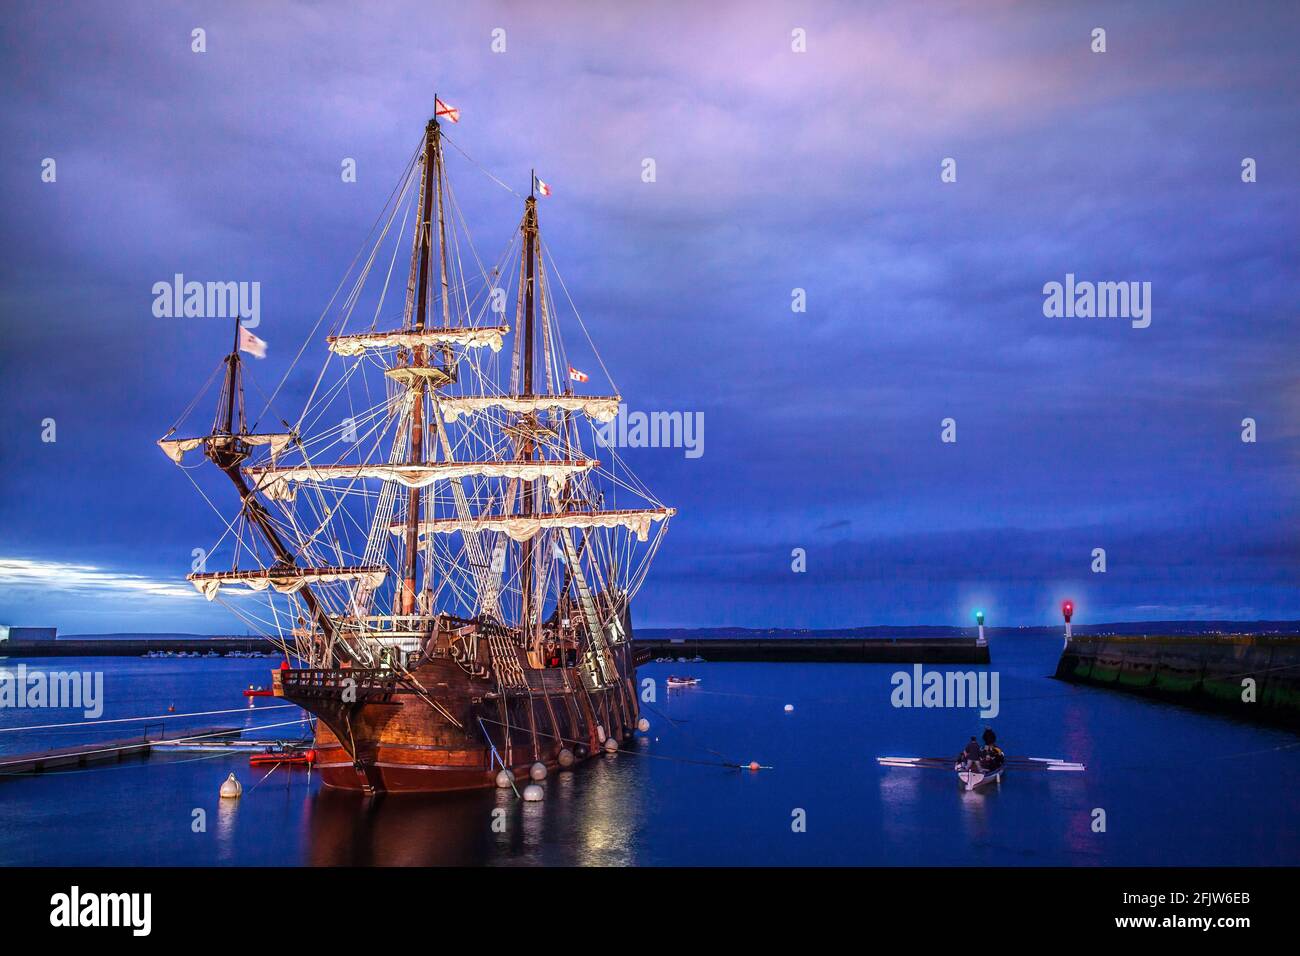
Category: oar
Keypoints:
(922, 763)
(1044, 763)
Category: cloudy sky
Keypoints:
(776, 170)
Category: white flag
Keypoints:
(250, 343)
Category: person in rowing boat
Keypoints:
(991, 756)
(971, 755)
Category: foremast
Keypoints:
(228, 445)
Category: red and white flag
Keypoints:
(250, 343)
(576, 376)
(442, 109)
(542, 188)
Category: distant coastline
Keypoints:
(859, 633)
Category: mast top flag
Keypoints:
(442, 109)
(250, 343)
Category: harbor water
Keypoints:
(1164, 785)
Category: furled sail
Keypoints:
(285, 580)
(602, 408)
(490, 336)
(175, 448)
(278, 483)
(523, 527)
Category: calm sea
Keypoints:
(1176, 787)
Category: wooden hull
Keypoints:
(402, 743)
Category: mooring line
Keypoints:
(723, 761)
(268, 773)
(1201, 760)
(636, 753)
(691, 740)
(127, 720)
(498, 756)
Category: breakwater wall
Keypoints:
(820, 650)
(1207, 672)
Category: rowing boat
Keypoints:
(978, 776)
(972, 778)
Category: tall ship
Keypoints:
(443, 543)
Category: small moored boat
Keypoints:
(282, 753)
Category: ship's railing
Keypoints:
(367, 683)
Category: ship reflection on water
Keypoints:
(590, 816)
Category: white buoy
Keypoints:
(611, 745)
(231, 788)
(505, 779)
(789, 708)
(600, 733)
(566, 758)
(533, 793)
(643, 725)
(537, 771)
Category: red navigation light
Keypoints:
(1068, 610)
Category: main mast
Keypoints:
(431, 179)
(530, 253)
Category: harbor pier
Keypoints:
(1253, 677)
(63, 758)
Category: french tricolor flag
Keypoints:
(542, 188)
